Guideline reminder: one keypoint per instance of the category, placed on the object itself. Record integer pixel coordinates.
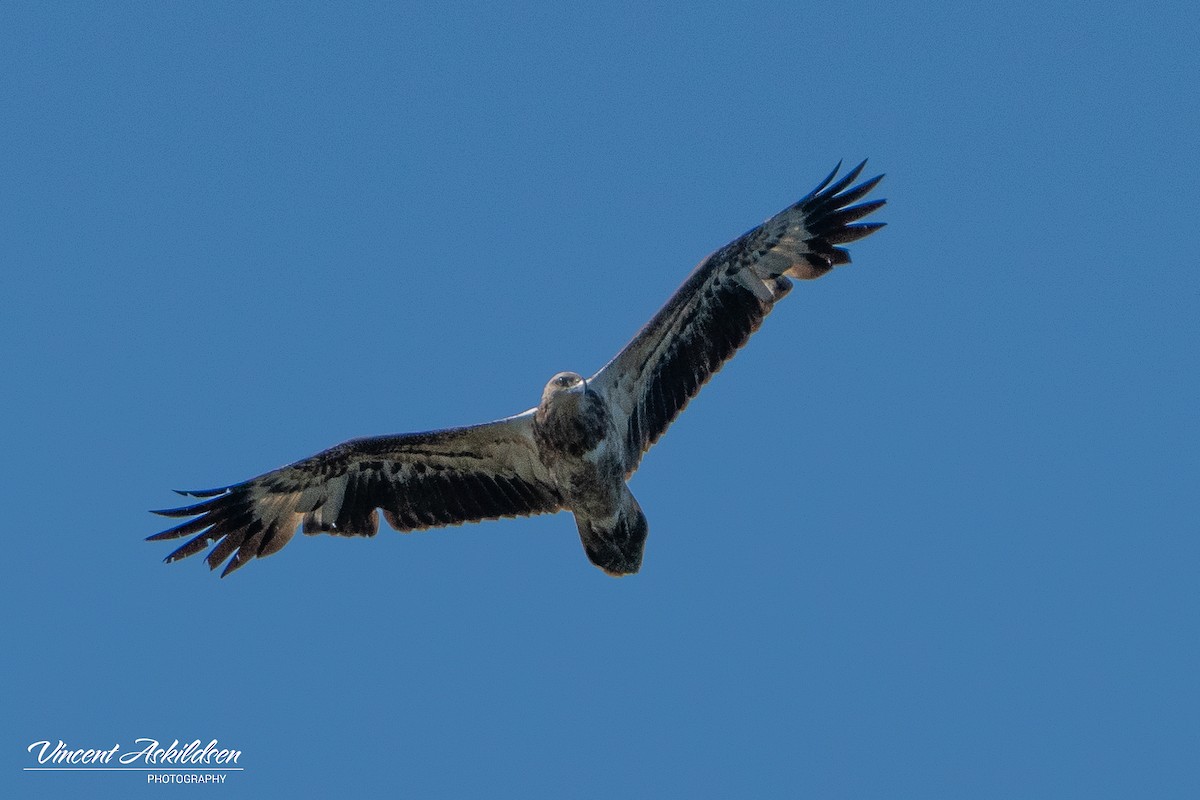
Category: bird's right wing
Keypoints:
(723, 301)
(419, 480)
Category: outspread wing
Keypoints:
(723, 301)
(420, 480)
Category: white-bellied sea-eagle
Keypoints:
(575, 450)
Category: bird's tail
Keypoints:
(615, 543)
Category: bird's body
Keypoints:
(581, 446)
(575, 450)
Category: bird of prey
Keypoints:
(575, 450)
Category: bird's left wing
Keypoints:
(722, 302)
(419, 480)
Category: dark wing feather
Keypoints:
(420, 480)
(723, 301)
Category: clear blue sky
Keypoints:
(933, 533)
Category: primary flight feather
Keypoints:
(575, 450)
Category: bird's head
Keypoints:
(563, 385)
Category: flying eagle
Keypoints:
(576, 449)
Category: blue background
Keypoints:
(933, 533)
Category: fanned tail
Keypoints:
(615, 543)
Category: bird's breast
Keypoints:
(578, 444)
(572, 425)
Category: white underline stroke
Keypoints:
(134, 769)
